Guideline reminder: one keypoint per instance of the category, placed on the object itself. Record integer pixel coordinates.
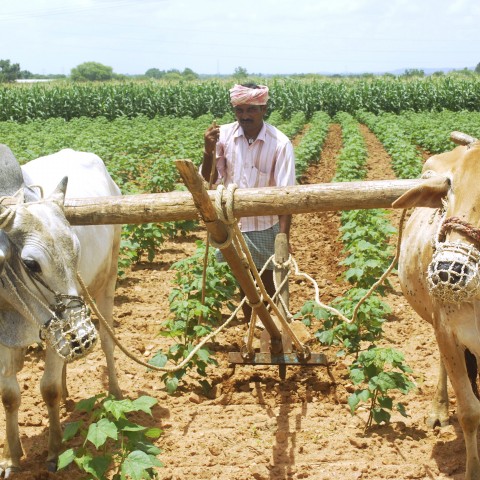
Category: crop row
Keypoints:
(152, 99)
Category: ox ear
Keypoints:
(429, 194)
(58, 195)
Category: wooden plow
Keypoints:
(278, 346)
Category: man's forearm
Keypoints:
(284, 222)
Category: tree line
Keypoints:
(94, 71)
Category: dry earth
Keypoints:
(257, 426)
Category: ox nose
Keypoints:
(452, 272)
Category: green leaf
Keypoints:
(71, 430)
(100, 431)
(118, 408)
(87, 405)
(357, 375)
(326, 337)
(353, 401)
(153, 432)
(203, 354)
(171, 384)
(137, 462)
(144, 404)
(380, 415)
(385, 402)
(97, 466)
(158, 360)
(66, 458)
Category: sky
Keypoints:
(261, 36)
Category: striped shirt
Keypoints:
(269, 161)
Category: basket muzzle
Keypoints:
(453, 275)
(70, 332)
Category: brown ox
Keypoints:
(438, 270)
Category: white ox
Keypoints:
(438, 270)
(40, 255)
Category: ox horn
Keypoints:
(58, 195)
(7, 215)
(461, 138)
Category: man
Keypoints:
(252, 154)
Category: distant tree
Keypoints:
(414, 72)
(438, 73)
(477, 68)
(154, 73)
(9, 72)
(189, 74)
(240, 74)
(91, 71)
(173, 74)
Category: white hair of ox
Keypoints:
(97, 264)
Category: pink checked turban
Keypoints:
(240, 95)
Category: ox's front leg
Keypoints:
(439, 414)
(11, 362)
(468, 405)
(105, 306)
(51, 388)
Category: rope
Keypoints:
(230, 220)
(133, 357)
(455, 223)
(291, 261)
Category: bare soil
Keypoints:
(255, 426)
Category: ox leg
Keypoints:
(468, 404)
(439, 413)
(11, 361)
(51, 388)
(105, 306)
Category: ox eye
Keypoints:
(32, 265)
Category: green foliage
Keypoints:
(413, 72)
(380, 371)
(111, 441)
(307, 152)
(406, 159)
(353, 156)
(91, 72)
(195, 98)
(9, 72)
(365, 235)
(191, 318)
(240, 74)
(350, 337)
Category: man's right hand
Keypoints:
(211, 137)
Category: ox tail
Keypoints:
(472, 370)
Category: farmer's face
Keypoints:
(250, 117)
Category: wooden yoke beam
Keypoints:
(219, 234)
(297, 199)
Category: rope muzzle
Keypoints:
(70, 331)
(453, 274)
